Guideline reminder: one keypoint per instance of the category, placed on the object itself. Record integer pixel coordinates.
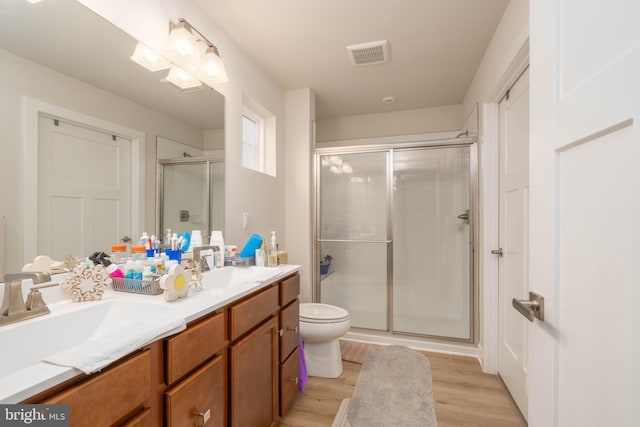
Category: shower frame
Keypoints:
(208, 192)
(390, 148)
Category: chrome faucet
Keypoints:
(14, 308)
(205, 264)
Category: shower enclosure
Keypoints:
(397, 224)
(190, 195)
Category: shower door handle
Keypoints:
(464, 216)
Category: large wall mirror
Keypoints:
(64, 56)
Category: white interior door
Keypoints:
(84, 185)
(585, 163)
(514, 239)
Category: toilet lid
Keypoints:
(313, 312)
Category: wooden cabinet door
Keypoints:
(289, 379)
(200, 398)
(254, 377)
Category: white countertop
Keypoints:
(22, 383)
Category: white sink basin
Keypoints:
(36, 339)
(227, 277)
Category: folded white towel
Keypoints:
(93, 355)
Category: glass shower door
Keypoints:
(353, 233)
(431, 242)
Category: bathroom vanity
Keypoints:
(235, 364)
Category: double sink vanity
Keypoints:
(226, 355)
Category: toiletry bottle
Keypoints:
(196, 238)
(138, 268)
(272, 260)
(128, 269)
(174, 242)
(118, 253)
(261, 254)
(167, 240)
(144, 240)
(112, 269)
(216, 239)
(147, 274)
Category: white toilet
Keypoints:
(320, 327)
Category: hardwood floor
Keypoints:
(464, 396)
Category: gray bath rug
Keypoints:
(393, 389)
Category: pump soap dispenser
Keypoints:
(272, 259)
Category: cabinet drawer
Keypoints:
(289, 289)
(143, 419)
(193, 346)
(250, 312)
(203, 392)
(289, 329)
(109, 396)
(289, 378)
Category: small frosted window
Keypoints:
(258, 138)
(250, 144)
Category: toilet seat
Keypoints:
(322, 313)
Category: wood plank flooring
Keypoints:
(464, 396)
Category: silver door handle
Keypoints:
(531, 308)
(497, 251)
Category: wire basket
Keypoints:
(135, 286)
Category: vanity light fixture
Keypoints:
(181, 39)
(194, 53)
(33, 1)
(182, 79)
(211, 63)
(149, 59)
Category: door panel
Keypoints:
(514, 239)
(594, 287)
(431, 252)
(84, 189)
(585, 153)
(353, 231)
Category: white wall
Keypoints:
(298, 209)
(504, 59)
(406, 122)
(507, 42)
(263, 197)
(24, 78)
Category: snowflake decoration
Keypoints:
(175, 283)
(86, 284)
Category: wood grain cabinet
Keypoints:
(235, 367)
(115, 396)
(253, 355)
(288, 344)
(196, 375)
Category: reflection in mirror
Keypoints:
(191, 195)
(64, 56)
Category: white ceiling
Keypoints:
(435, 45)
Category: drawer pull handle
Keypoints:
(295, 380)
(281, 332)
(203, 417)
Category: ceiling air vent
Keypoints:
(369, 53)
